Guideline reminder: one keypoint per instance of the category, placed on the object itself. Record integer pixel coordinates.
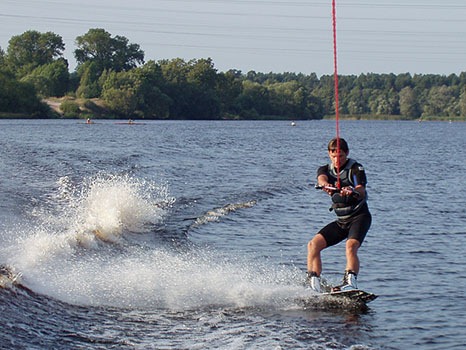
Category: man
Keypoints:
(348, 192)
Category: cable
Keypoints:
(335, 75)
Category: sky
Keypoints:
(373, 36)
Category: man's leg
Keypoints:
(358, 230)
(314, 247)
(352, 266)
(314, 262)
(352, 260)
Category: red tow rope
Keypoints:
(335, 76)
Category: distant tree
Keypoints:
(33, 49)
(122, 101)
(137, 91)
(355, 101)
(281, 98)
(174, 71)
(325, 93)
(462, 104)
(453, 80)
(50, 79)
(229, 87)
(291, 99)
(402, 81)
(19, 97)
(441, 102)
(108, 53)
(253, 101)
(70, 109)
(409, 105)
(97, 52)
(388, 82)
(384, 102)
(203, 80)
(427, 81)
(192, 88)
(119, 91)
(40, 84)
(90, 75)
(369, 81)
(2, 57)
(153, 102)
(462, 79)
(202, 73)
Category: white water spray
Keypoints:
(79, 255)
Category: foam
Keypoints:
(76, 252)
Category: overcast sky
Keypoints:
(379, 36)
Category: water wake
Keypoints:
(67, 255)
(108, 205)
(217, 213)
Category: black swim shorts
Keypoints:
(355, 227)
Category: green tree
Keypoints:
(202, 78)
(291, 99)
(97, 51)
(2, 57)
(355, 101)
(325, 93)
(427, 81)
(383, 102)
(122, 101)
(441, 102)
(192, 88)
(402, 81)
(108, 53)
(462, 103)
(409, 105)
(19, 97)
(33, 49)
(89, 75)
(202, 73)
(70, 109)
(119, 91)
(50, 79)
(153, 102)
(254, 100)
(174, 71)
(229, 87)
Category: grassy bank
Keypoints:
(5, 115)
(396, 117)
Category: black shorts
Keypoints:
(355, 227)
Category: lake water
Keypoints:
(202, 231)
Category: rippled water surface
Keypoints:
(192, 235)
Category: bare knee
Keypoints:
(317, 244)
(352, 246)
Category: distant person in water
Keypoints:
(353, 216)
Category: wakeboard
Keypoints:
(356, 295)
(338, 300)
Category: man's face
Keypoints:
(332, 153)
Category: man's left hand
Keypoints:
(347, 191)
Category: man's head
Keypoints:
(338, 158)
(333, 144)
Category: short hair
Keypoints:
(334, 143)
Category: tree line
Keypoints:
(112, 70)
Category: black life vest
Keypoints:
(345, 206)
